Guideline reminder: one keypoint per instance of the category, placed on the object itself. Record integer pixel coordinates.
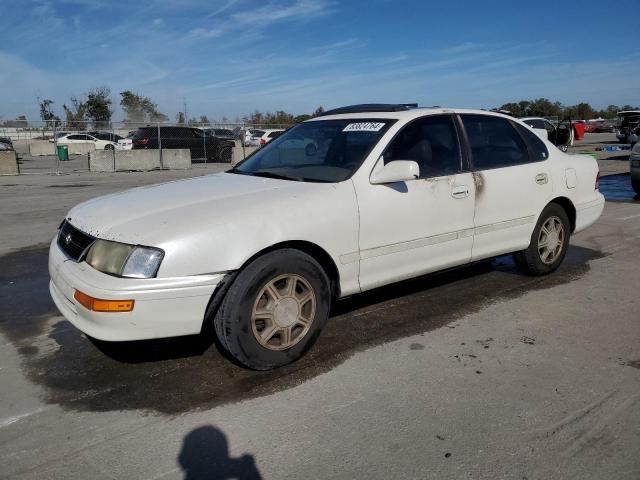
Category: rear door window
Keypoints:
(537, 148)
(494, 142)
(432, 142)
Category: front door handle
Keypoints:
(542, 178)
(460, 191)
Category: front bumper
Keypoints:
(164, 307)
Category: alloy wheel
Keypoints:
(551, 240)
(283, 312)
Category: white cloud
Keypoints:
(274, 12)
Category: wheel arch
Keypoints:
(568, 207)
(315, 251)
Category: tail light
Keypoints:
(141, 141)
(263, 141)
(598, 180)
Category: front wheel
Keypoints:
(549, 242)
(108, 147)
(274, 310)
(564, 148)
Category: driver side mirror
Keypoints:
(396, 171)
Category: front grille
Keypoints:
(72, 241)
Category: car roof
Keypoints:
(406, 114)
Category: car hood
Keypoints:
(155, 215)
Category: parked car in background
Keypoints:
(221, 133)
(560, 134)
(253, 138)
(76, 138)
(628, 120)
(634, 166)
(257, 255)
(269, 135)
(634, 136)
(194, 139)
(606, 126)
(6, 144)
(109, 136)
(590, 127)
(126, 143)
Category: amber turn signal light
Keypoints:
(98, 305)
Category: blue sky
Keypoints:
(230, 57)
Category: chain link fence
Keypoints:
(36, 144)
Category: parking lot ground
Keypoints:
(479, 372)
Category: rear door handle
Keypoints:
(542, 178)
(460, 191)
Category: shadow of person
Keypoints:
(205, 456)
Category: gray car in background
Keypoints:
(634, 161)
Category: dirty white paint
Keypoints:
(374, 233)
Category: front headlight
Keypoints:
(124, 260)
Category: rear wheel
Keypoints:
(549, 242)
(635, 184)
(274, 310)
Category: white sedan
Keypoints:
(260, 252)
(125, 143)
(83, 138)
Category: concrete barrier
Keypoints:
(81, 148)
(176, 158)
(39, 148)
(8, 163)
(21, 146)
(138, 160)
(239, 154)
(101, 161)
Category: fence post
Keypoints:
(204, 143)
(244, 135)
(160, 146)
(55, 146)
(113, 137)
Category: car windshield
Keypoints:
(317, 151)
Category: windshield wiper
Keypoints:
(266, 174)
(279, 176)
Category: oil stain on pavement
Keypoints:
(176, 375)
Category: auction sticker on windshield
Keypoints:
(364, 127)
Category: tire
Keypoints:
(563, 148)
(108, 147)
(635, 184)
(263, 299)
(534, 260)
